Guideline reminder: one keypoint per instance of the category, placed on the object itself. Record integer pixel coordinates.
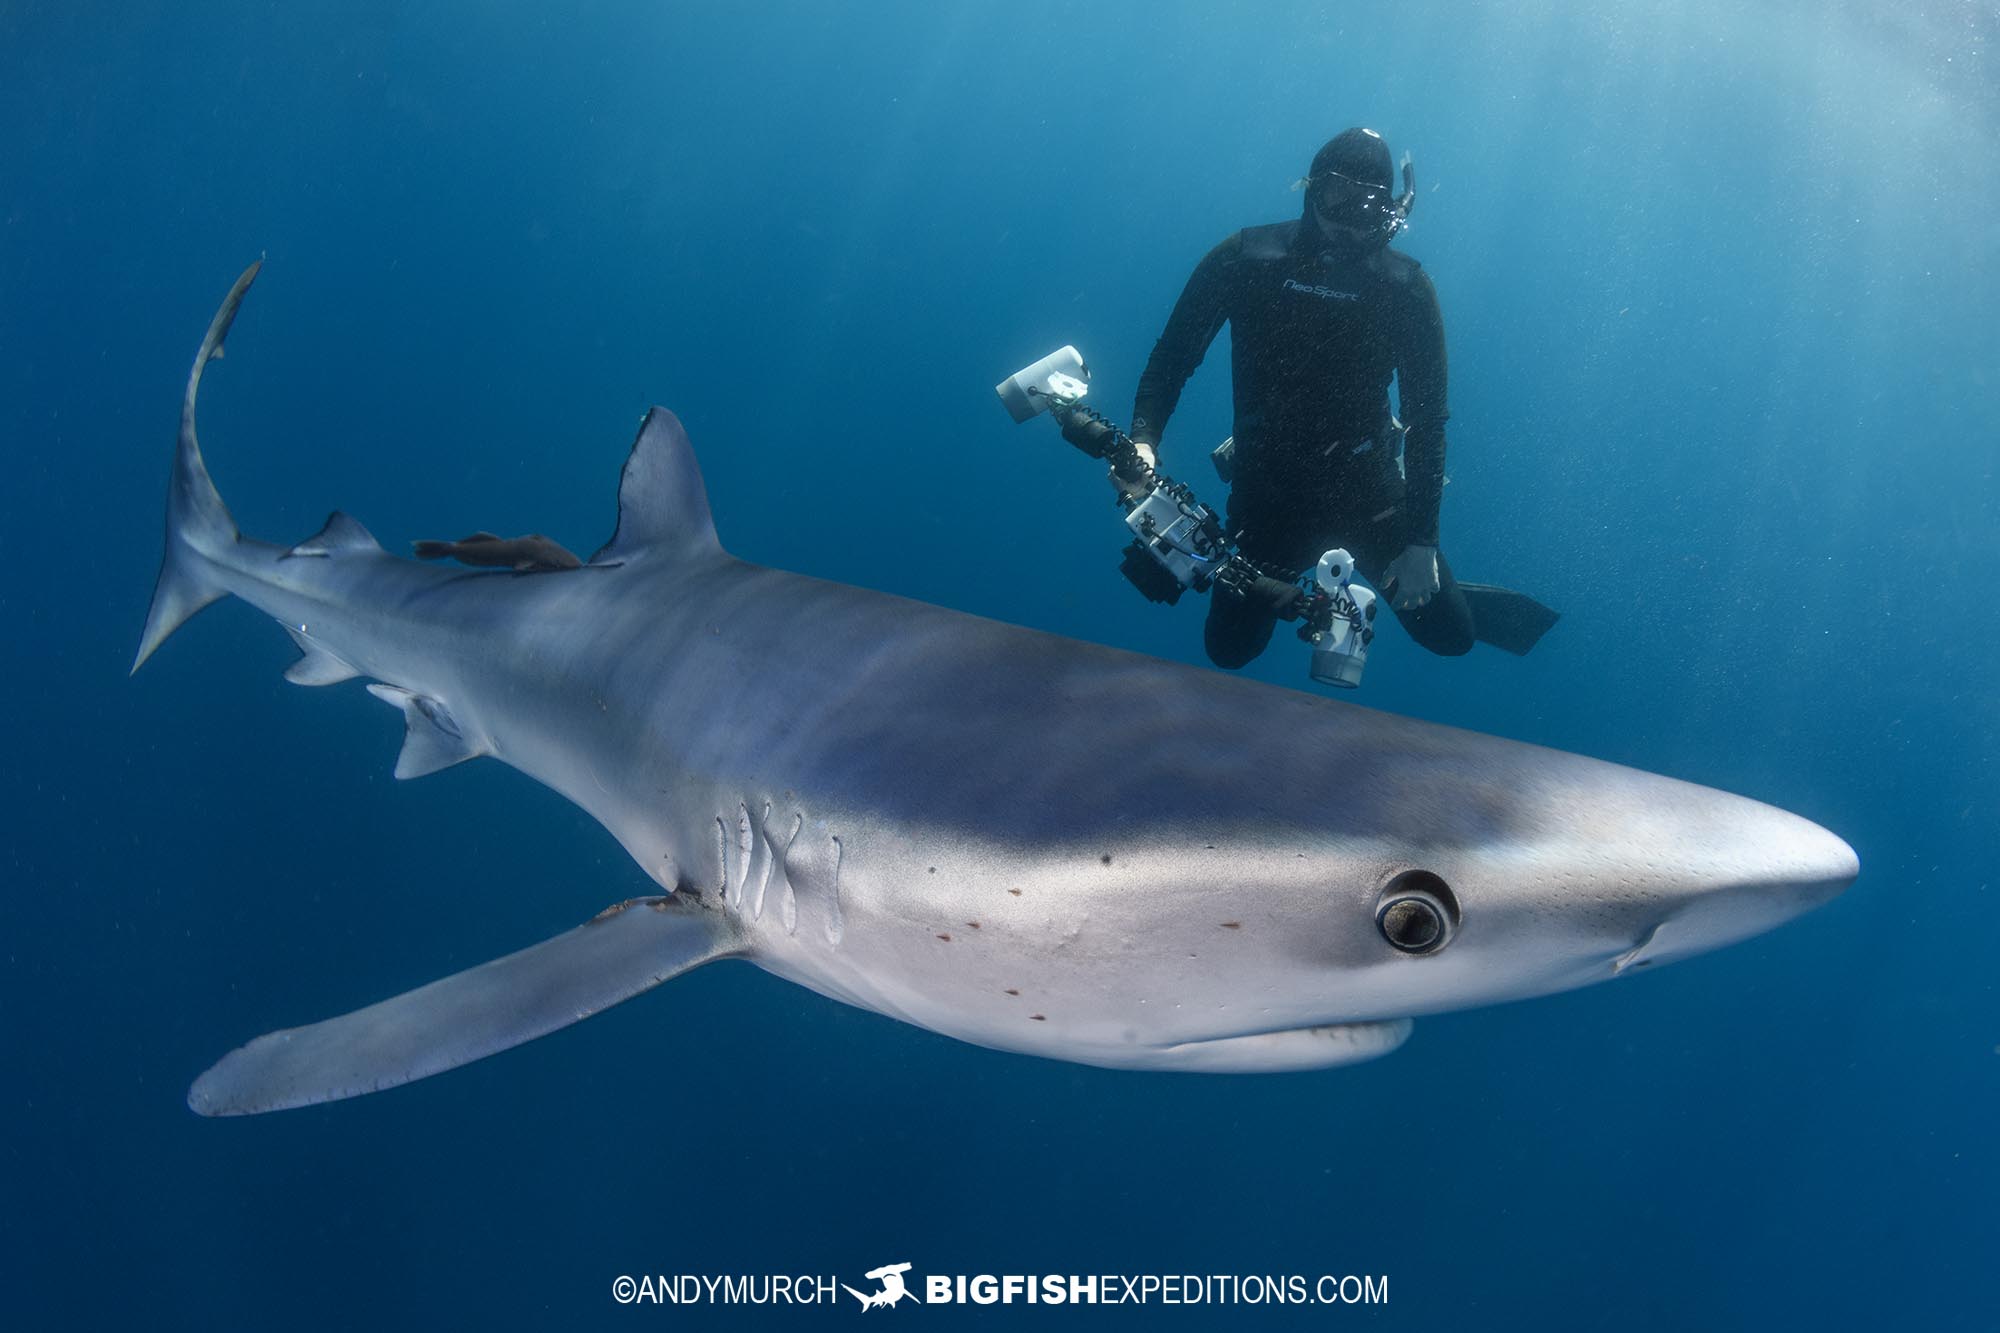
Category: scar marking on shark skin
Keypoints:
(721, 860)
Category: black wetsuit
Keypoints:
(1316, 334)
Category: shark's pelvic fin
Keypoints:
(1277, 1052)
(341, 533)
(198, 523)
(662, 503)
(432, 737)
(318, 666)
(476, 1013)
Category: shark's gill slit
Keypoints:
(835, 925)
(788, 901)
(757, 880)
(743, 845)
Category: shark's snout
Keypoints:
(1777, 867)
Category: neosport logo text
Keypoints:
(1324, 293)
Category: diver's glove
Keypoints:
(1411, 579)
(1135, 486)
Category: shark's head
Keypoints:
(1615, 872)
(1185, 858)
(1452, 870)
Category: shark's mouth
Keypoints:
(1322, 1047)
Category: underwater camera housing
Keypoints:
(1178, 542)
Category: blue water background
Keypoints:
(1720, 287)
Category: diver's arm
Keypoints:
(1420, 397)
(1197, 318)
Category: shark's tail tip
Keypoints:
(199, 528)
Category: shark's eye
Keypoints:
(1417, 912)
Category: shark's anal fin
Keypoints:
(318, 666)
(432, 738)
(487, 1009)
(1277, 1052)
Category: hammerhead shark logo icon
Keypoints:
(893, 1288)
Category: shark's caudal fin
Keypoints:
(662, 503)
(628, 949)
(198, 524)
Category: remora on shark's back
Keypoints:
(1020, 840)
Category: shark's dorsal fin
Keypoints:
(662, 503)
(341, 533)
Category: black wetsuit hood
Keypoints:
(1359, 154)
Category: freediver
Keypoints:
(1322, 314)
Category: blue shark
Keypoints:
(1026, 842)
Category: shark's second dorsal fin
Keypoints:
(341, 533)
(662, 503)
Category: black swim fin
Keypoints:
(1509, 620)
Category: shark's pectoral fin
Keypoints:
(432, 737)
(621, 952)
(1279, 1052)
